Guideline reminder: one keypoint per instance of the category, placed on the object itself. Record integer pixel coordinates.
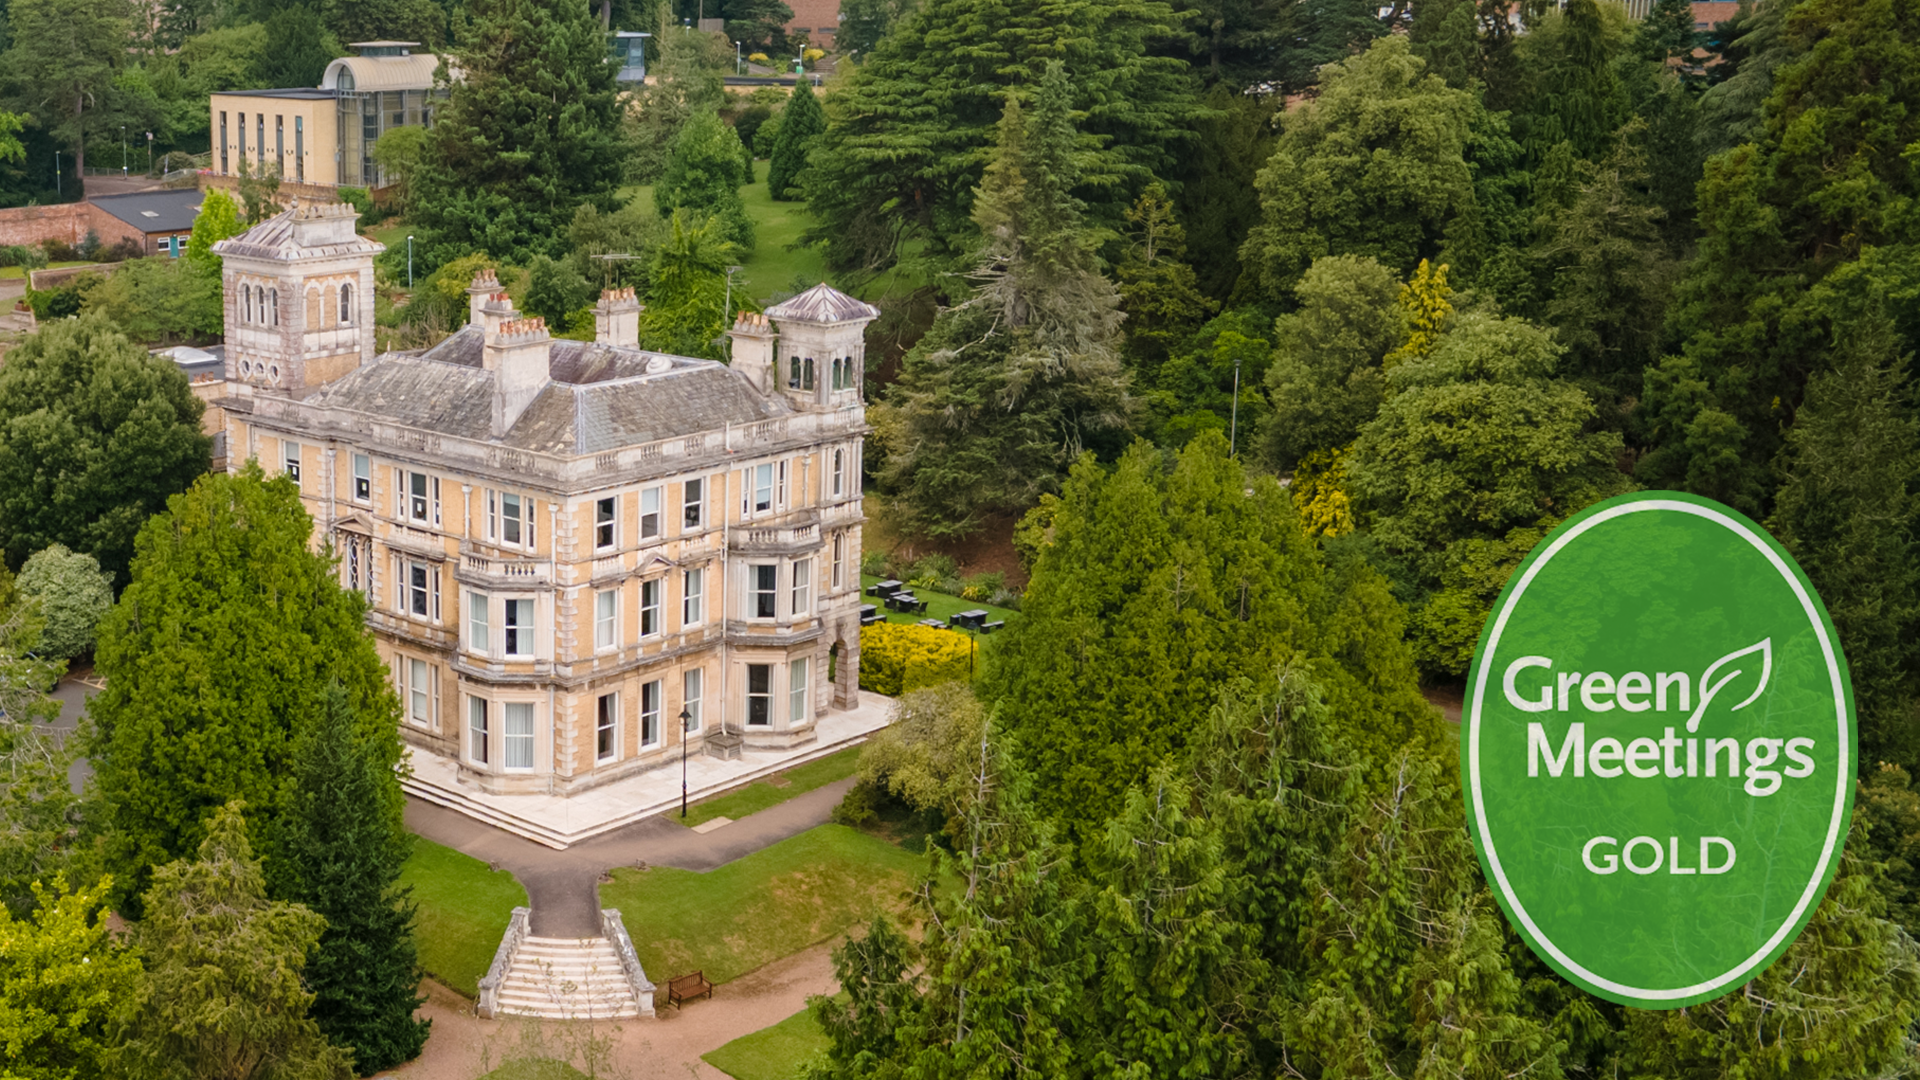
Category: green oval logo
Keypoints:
(1657, 752)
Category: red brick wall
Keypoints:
(821, 17)
(65, 222)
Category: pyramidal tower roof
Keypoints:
(822, 304)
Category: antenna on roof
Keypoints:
(609, 259)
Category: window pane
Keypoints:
(650, 513)
(362, 477)
(477, 622)
(650, 713)
(797, 690)
(519, 735)
(519, 618)
(477, 728)
(603, 523)
(603, 619)
(764, 591)
(802, 586)
(759, 694)
(417, 485)
(690, 613)
(763, 487)
(693, 687)
(604, 726)
(650, 607)
(417, 690)
(510, 519)
(691, 504)
(417, 586)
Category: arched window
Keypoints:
(259, 304)
(246, 295)
(806, 378)
(839, 470)
(346, 305)
(273, 307)
(793, 374)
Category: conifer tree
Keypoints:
(687, 291)
(1446, 36)
(216, 659)
(1327, 378)
(1850, 514)
(222, 995)
(1667, 32)
(529, 131)
(1011, 384)
(1158, 289)
(703, 176)
(801, 123)
(344, 864)
(1575, 97)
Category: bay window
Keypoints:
(518, 735)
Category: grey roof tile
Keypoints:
(822, 304)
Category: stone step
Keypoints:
(567, 978)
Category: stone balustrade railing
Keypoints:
(616, 931)
(503, 962)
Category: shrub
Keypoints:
(858, 807)
(874, 563)
(22, 255)
(73, 593)
(897, 659)
(983, 586)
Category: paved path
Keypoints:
(563, 887)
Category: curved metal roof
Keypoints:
(382, 72)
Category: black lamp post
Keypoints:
(686, 725)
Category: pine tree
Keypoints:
(529, 132)
(1446, 36)
(909, 134)
(1158, 290)
(1010, 385)
(1667, 32)
(1574, 97)
(801, 123)
(703, 176)
(298, 49)
(216, 660)
(1850, 514)
(223, 993)
(344, 864)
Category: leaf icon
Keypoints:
(1708, 687)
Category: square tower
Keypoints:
(297, 291)
(820, 361)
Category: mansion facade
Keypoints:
(576, 555)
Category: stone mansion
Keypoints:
(569, 549)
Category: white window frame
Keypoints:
(606, 728)
(797, 691)
(652, 522)
(518, 743)
(780, 487)
(756, 495)
(606, 620)
(521, 520)
(290, 456)
(606, 523)
(692, 693)
(479, 731)
(513, 633)
(478, 614)
(692, 496)
(420, 600)
(839, 471)
(362, 479)
(652, 622)
(416, 496)
(801, 586)
(765, 697)
(756, 592)
(420, 690)
(839, 560)
(652, 711)
(693, 588)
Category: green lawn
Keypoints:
(771, 268)
(757, 909)
(772, 1053)
(464, 909)
(939, 605)
(393, 235)
(761, 794)
(16, 272)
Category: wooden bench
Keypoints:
(688, 987)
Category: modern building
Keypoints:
(324, 135)
(569, 549)
(163, 219)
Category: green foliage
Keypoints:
(64, 982)
(758, 24)
(464, 907)
(440, 301)
(62, 64)
(703, 177)
(386, 20)
(1573, 94)
(909, 133)
(1667, 32)
(1444, 35)
(1327, 378)
(684, 81)
(223, 59)
(1159, 293)
(217, 660)
(864, 22)
(555, 291)
(687, 294)
(528, 133)
(71, 593)
(1375, 166)
(1008, 387)
(634, 230)
(896, 659)
(397, 152)
(299, 48)
(1476, 451)
(1161, 583)
(42, 833)
(222, 994)
(344, 864)
(1849, 513)
(11, 125)
(159, 300)
(1888, 810)
(1217, 197)
(801, 124)
(94, 436)
(218, 219)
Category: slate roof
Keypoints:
(822, 304)
(601, 398)
(153, 211)
(274, 239)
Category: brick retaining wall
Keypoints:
(65, 222)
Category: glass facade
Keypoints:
(367, 115)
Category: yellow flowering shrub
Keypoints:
(898, 658)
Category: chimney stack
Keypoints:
(752, 351)
(494, 310)
(518, 354)
(485, 284)
(616, 318)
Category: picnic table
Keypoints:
(906, 602)
(884, 589)
(935, 623)
(870, 615)
(974, 619)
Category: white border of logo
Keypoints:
(1843, 771)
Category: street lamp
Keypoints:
(149, 151)
(409, 260)
(686, 726)
(736, 58)
(58, 190)
(123, 151)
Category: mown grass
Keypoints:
(773, 790)
(757, 909)
(463, 910)
(939, 605)
(16, 272)
(772, 1053)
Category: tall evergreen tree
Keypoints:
(1216, 196)
(529, 131)
(385, 20)
(299, 48)
(1011, 384)
(216, 659)
(908, 135)
(62, 64)
(1850, 513)
(705, 170)
(1445, 34)
(1667, 32)
(344, 864)
(801, 123)
(1574, 96)
(223, 994)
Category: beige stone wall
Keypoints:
(318, 118)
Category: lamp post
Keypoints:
(686, 726)
(409, 260)
(149, 151)
(58, 189)
(736, 58)
(123, 151)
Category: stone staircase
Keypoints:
(567, 979)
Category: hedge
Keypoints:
(898, 658)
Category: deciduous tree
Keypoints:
(72, 594)
(62, 63)
(1327, 380)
